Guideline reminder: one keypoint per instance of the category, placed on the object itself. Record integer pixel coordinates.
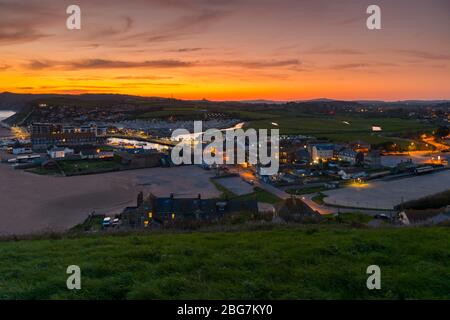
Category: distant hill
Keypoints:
(404, 103)
(262, 101)
(17, 101)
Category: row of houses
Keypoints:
(161, 210)
(313, 151)
(358, 153)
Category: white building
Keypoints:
(347, 155)
(59, 152)
(322, 152)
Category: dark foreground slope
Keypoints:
(308, 262)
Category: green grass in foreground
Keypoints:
(307, 262)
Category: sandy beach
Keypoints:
(31, 203)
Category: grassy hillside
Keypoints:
(307, 262)
(343, 128)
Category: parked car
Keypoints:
(382, 216)
(106, 222)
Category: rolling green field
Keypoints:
(198, 113)
(168, 112)
(297, 262)
(339, 128)
(342, 128)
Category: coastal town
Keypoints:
(225, 159)
(321, 176)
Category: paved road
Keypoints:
(307, 199)
(324, 209)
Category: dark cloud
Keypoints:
(38, 64)
(117, 64)
(157, 64)
(185, 50)
(257, 64)
(106, 64)
(150, 84)
(182, 27)
(184, 17)
(78, 87)
(22, 21)
(350, 66)
(426, 55)
(142, 78)
(125, 25)
(10, 36)
(84, 79)
(362, 65)
(359, 19)
(326, 49)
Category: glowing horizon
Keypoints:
(228, 50)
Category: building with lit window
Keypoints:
(45, 135)
(163, 210)
(322, 152)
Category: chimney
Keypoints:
(140, 199)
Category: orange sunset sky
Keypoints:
(228, 49)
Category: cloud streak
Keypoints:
(326, 49)
(182, 50)
(259, 64)
(13, 36)
(426, 55)
(157, 64)
(106, 64)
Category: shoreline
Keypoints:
(33, 203)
